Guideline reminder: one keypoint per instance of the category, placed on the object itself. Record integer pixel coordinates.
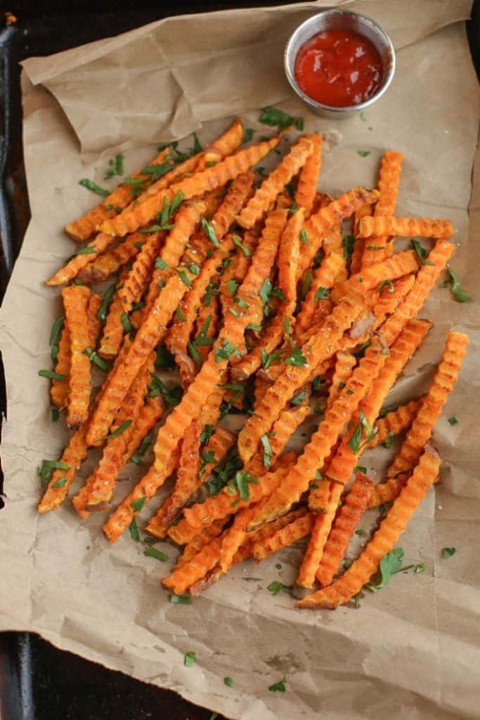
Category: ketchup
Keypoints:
(338, 68)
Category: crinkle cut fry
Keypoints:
(100, 484)
(392, 525)
(405, 227)
(299, 525)
(354, 504)
(320, 531)
(170, 433)
(385, 492)
(136, 280)
(113, 330)
(196, 542)
(148, 417)
(109, 262)
(149, 335)
(320, 223)
(345, 459)
(344, 364)
(395, 422)
(83, 258)
(322, 441)
(61, 480)
(76, 299)
(86, 225)
(274, 183)
(324, 277)
(390, 298)
(209, 179)
(222, 146)
(289, 255)
(59, 388)
(195, 569)
(308, 176)
(210, 317)
(433, 402)
(186, 220)
(321, 345)
(392, 268)
(377, 248)
(359, 243)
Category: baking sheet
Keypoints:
(417, 659)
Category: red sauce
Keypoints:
(338, 68)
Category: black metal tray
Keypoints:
(37, 681)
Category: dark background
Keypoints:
(38, 682)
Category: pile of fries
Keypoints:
(247, 286)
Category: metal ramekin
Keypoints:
(340, 20)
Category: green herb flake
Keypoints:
(160, 264)
(180, 599)
(386, 283)
(280, 686)
(277, 587)
(248, 135)
(293, 208)
(322, 292)
(421, 252)
(299, 398)
(96, 359)
(107, 299)
(226, 352)
(121, 429)
(240, 484)
(296, 358)
(273, 117)
(265, 292)
(457, 291)
(363, 117)
(93, 187)
(448, 552)
(363, 153)
(184, 277)
(210, 233)
(51, 375)
(348, 244)
(54, 414)
(133, 528)
(238, 243)
(355, 443)
(228, 681)
(420, 568)
(206, 433)
(390, 564)
(172, 396)
(306, 282)
(267, 449)
(304, 237)
(193, 352)
(269, 359)
(453, 420)
(61, 482)
(190, 658)
(180, 315)
(138, 504)
(87, 250)
(115, 167)
(126, 324)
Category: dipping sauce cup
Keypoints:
(339, 62)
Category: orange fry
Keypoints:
(275, 182)
(132, 289)
(59, 388)
(316, 546)
(109, 262)
(432, 404)
(344, 364)
(61, 480)
(289, 255)
(81, 259)
(308, 176)
(225, 145)
(354, 504)
(195, 569)
(295, 525)
(382, 542)
(323, 279)
(405, 227)
(387, 491)
(395, 422)
(76, 299)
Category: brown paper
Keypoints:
(413, 649)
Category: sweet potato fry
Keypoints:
(61, 480)
(289, 255)
(359, 243)
(387, 491)
(432, 404)
(321, 528)
(393, 524)
(354, 504)
(109, 262)
(390, 298)
(225, 145)
(395, 422)
(132, 289)
(76, 299)
(308, 176)
(148, 417)
(319, 224)
(208, 179)
(405, 227)
(94, 324)
(263, 198)
(344, 364)
(81, 259)
(294, 526)
(323, 279)
(195, 569)
(377, 248)
(59, 388)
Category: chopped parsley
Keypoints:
(280, 686)
(273, 117)
(448, 552)
(355, 443)
(277, 587)
(457, 291)
(115, 167)
(189, 658)
(180, 599)
(390, 564)
(240, 484)
(209, 231)
(93, 187)
(421, 252)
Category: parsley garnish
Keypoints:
(269, 358)
(322, 292)
(55, 333)
(228, 681)
(193, 352)
(421, 252)
(304, 237)
(115, 167)
(307, 281)
(240, 484)
(107, 298)
(226, 352)
(348, 243)
(51, 375)
(121, 429)
(237, 241)
(172, 396)
(157, 554)
(248, 135)
(267, 449)
(189, 659)
(355, 443)
(296, 358)
(273, 117)
(126, 324)
(61, 482)
(138, 504)
(160, 264)
(448, 552)
(210, 233)
(96, 360)
(87, 250)
(363, 153)
(207, 433)
(90, 185)
(180, 599)
(133, 528)
(299, 398)
(386, 283)
(452, 420)
(184, 277)
(277, 587)
(458, 293)
(280, 686)
(145, 444)
(390, 564)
